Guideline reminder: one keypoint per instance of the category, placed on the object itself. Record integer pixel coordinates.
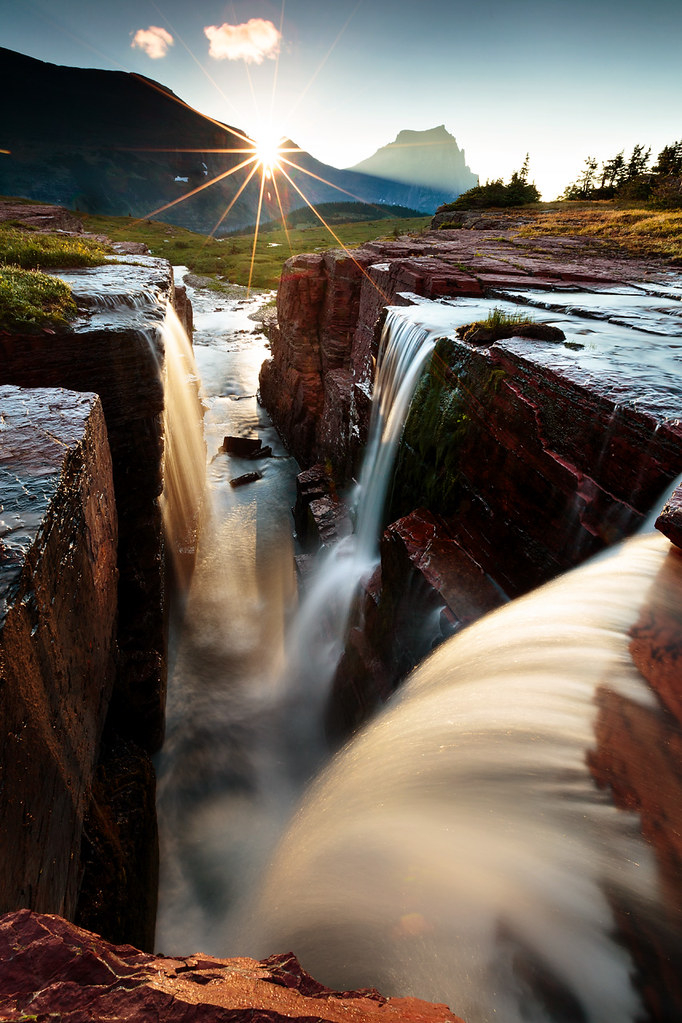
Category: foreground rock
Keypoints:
(52, 969)
(58, 602)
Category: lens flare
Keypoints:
(268, 151)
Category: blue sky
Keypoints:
(556, 79)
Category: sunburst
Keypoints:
(266, 156)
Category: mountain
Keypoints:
(117, 143)
(430, 159)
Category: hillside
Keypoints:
(109, 142)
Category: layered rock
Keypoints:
(52, 967)
(324, 344)
(116, 350)
(58, 607)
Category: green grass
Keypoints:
(498, 318)
(231, 256)
(31, 301)
(35, 249)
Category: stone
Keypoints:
(479, 334)
(247, 477)
(243, 447)
(115, 349)
(53, 969)
(58, 607)
(669, 522)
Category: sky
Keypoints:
(555, 79)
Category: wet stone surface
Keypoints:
(37, 426)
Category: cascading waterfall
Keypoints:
(185, 449)
(314, 651)
(459, 848)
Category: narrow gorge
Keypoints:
(503, 836)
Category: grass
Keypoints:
(636, 230)
(498, 318)
(36, 250)
(231, 257)
(31, 301)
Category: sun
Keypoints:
(268, 151)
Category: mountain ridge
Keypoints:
(117, 143)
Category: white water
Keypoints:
(462, 834)
(317, 637)
(185, 450)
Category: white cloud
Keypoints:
(251, 42)
(153, 40)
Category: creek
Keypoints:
(459, 848)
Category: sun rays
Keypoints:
(262, 165)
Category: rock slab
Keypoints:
(58, 600)
(52, 969)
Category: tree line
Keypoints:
(632, 178)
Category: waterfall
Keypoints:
(459, 848)
(317, 639)
(185, 450)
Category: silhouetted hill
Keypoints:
(117, 143)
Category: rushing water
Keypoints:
(459, 849)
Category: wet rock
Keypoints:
(311, 484)
(116, 351)
(426, 588)
(119, 850)
(247, 477)
(328, 306)
(53, 968)
(243, 447)
(329, 520)
(58, 603)
(479, 334)
(669, 522)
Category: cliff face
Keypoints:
(58, 601)
(528, 455)
(104, 699)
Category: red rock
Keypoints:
(243, 447)
(669, 522)
(58, 600)
(53, 969)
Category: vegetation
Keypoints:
(231, 256)
(633, 179)
(336, 213)
(519, 191)
(499, 319)
(31, 301)
(637, 230)
(35, 249)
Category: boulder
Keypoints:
(53, 969)
(669, 522)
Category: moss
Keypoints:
(31, 301)
(439, 428)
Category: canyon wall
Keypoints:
(104, 821)
(520, 458)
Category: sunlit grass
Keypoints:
(36, 249)
(31, 301)
(231, 257)
(641, 232)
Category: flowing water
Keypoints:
(459, 849)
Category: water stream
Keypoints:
(459, 849)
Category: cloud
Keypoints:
(153, 40)
(251, 42)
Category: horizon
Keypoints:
(582, 80)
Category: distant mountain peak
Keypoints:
(429, 158)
